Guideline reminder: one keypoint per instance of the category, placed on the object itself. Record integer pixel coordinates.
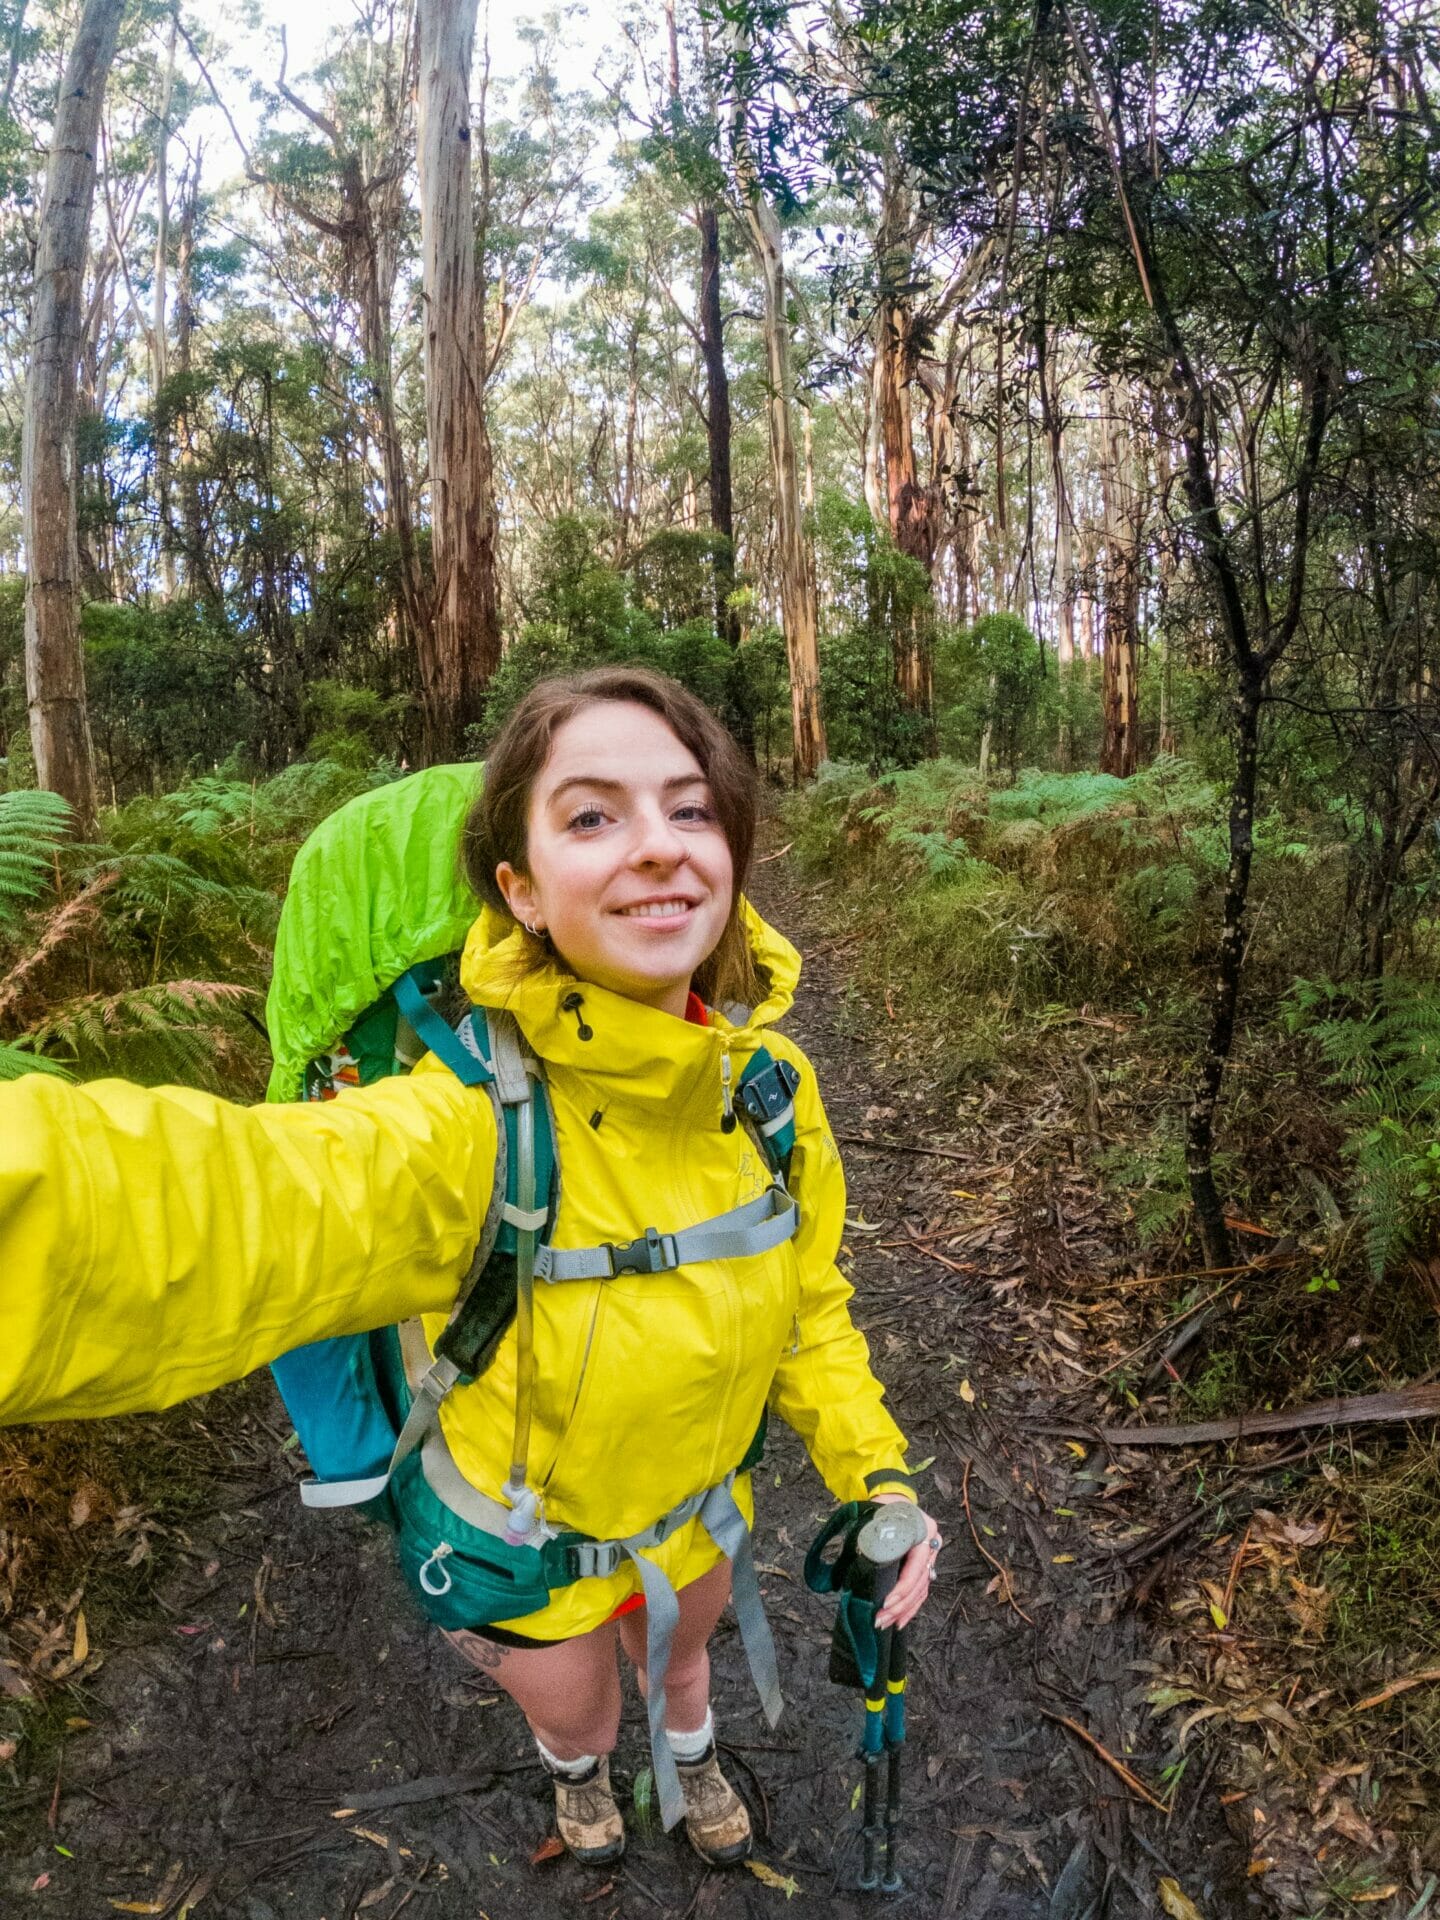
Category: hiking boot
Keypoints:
(587, 1816)
(715, 1815)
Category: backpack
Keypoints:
(367, 948)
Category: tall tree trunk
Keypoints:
(793, 557)
(190, 535)
(909, 506)
(717, 423)
(159, 341)
(717, 404)
(463, 648)
(1120, 749)
(376, 276)
(54, 656)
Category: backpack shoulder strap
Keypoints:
(485, 1050)
(767, 1097)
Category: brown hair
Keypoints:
(496, 829)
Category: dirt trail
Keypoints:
(289, 1676)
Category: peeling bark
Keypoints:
(462, 650)
(54, 654)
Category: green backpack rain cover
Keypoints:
(375, 889)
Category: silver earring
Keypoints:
(535, 933)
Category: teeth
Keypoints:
(657, 909)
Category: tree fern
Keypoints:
(32, 827)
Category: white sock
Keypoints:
(567, 1769)
(692, 1746)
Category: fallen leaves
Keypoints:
(768, 1877)
(1176, 1902)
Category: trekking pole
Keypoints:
(874, 1540)
(894, 1741)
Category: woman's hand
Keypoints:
(917, 1572)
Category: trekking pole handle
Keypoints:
(887, 1536)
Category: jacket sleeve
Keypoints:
(155, 1243)
(825, 1388)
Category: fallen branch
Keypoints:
(1418, 1402)
(901, 1146)
(1117, 1767)
(412, 1793)
(1396, 1686)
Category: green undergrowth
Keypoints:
(147, 952)
(1059, 933)
(1060, 930)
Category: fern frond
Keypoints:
(65, 922)
(175, 1028)
(33, 825)
(15, 1061)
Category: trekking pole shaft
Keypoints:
(872, 1747)
(894, 1744)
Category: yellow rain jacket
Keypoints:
(156, 1243)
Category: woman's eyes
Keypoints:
(691, 813)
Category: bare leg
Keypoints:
(687, 1678)
(569, 1692)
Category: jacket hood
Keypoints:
(652, 1052)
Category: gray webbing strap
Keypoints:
(424, 1415)
(725, 1524)
(717, 1511)
(753, 1228)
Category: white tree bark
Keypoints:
(54, 657)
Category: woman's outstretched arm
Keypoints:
(155, 1243)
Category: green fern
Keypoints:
(15, 1061)
(1383, 1049)
(172, 1031)
(33, 825)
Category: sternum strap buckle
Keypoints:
(653, 1252)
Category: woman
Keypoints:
(156, 1243)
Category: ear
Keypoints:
(519, 894)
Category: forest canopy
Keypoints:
(1000, 387)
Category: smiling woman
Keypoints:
(586, 1488)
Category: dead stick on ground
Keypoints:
(1117, 1767)
(901, 1146)
(1227, 1605)
(1419, 1401)
(1396, 1686)
(1007, 1584)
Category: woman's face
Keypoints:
(628, 870)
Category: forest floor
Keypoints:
(278, 1733)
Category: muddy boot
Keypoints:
(586, 1814)
(715, 1815)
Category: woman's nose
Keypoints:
(657, 842)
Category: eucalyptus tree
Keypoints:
(54, 659)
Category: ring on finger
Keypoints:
(934, 1573)
(934, 1543)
